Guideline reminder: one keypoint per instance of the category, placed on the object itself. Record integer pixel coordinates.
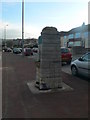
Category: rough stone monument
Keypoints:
(48, 71)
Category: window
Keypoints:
(77, 35)
(70, 44)
(64, 37)
(86, 57)
(71, 36)
(64, 50)
(86, 34)
(77, 43)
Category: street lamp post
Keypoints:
(82, 35)
(5, 34)
(22, 27)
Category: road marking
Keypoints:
(7, 68)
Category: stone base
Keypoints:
(44, 86)
(33, 87)
(41, 86)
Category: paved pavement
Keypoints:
(0, 85)
(66, 68)
(20, 102)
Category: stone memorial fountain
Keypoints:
(48, 67)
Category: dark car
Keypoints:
(7, 49)
(28, 51)
(35, 50)
(66, 55)
(16, 50)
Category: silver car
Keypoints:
(81, 65)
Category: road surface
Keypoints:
(20, 102)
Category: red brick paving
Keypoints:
(20, 102)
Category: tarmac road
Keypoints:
(19, 102)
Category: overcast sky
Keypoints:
(64, 15)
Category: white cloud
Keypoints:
(12, 30)
(15, 30)
(32, 31)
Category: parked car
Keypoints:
(81, 65)
(7, 49)
(35, 50)
(20, 49)
(66, 55)
(16, 50)
(28, 51)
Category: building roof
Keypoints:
(79, 29)
(83, 28)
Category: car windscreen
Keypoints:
(28, 50)
(16, 49)
(64, 50)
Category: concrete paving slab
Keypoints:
(66, 69)
(35, 90)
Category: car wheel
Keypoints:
(74, 71)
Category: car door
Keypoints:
(84, 65)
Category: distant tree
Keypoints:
(36, 45)
(9, 43)
(3, 43)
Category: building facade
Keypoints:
(79, 36)
(18, 42)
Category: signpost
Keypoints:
(5, 34)
(22, 27)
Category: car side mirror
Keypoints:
(80, 59)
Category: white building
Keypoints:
(79, 36)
